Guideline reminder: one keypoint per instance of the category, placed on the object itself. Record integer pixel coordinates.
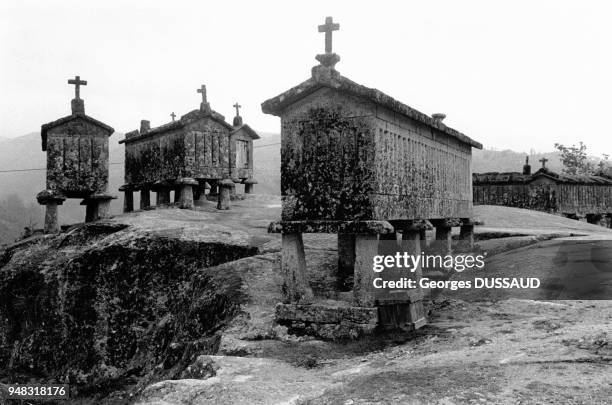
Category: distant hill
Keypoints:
(25, 152)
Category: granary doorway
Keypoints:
(242, 154)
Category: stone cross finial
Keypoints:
(173, 115)
(328, 28)
(543, 160)
(202, 90)
(237, 107)
(77, 84)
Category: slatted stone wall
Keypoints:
(77, 159)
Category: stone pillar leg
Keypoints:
(233, 189)
(51, 199)
(98, 206)
(51, 220)
(423, 238)
(91, 210)
(296, 289)
(145, 198)
(104, 209)
(249, 186)
(128, 201)
(466, 238)
(346, 261)
(186, 192)
(162, 189)
(223, 201)
(444, 239)
(366, 247)
(128, 197)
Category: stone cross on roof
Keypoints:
(77, 84)
(543, 160)
(173, 115)
(237, 119)
(204, 106)
(202, 90)
(328, 28)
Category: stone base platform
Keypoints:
(327, 322)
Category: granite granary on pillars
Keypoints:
(241, 154)
(358, 163)
(198, 151)
(578, 196)
(77, 163)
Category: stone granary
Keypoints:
(571, 195)
(77, 162)
(358, 163)
(188, 155)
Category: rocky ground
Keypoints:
(176, 307)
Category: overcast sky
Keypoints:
(513, 74)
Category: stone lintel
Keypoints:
(468, 221)
(324, 226)
(446, 222)
(236, 180)
(186, 181)
(50, 196)
(226, 183)
(101, 197)
(128, 187)
(326, 314)
(161, 184)
(249, 181)
(407, 225)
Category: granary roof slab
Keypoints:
(44, 129)
(501, 178)
(520, 178)
(571, 178)
(244, 127)
(330, 78)
(186, 119)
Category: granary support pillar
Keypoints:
(249, 185)
(296, 289)
(223, 200)
(444, 241)
(97, 206)
(162, 189)
(366, 247)
(466, 237)
(423, 238)
(128, 197)
(186, 185)
(233, 189)
(50, 200)
(346, 261)
(145, 197)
